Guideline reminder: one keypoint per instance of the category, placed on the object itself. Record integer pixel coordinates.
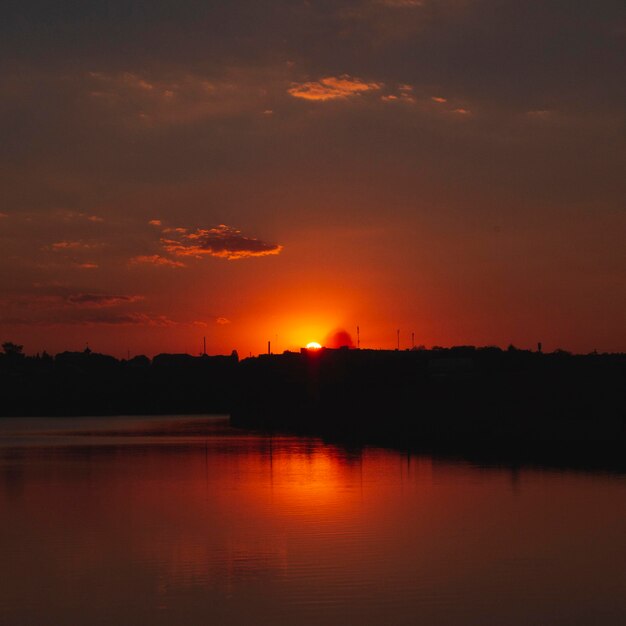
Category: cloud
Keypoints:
(63, 306)
(540, 114)
(155, 259)
(402, 4)
(63, 246)
(69, 216)
(461, 111)
(180, 98)
(92, 300)
(404, 94)
(222, 321)
(104, 318)
(88, 266)
(332, 88)
(223, 242)
(155, 223)
(175, 230)
(4, 215)
(130, 319)
(439, 99)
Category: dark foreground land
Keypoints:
(510, 406)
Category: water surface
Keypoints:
(181, 520)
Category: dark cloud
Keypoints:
(93, 300)
(129, 319)
(99, 319)
(222, 241)
(63, 298)
(61, 306)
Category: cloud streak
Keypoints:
(155, 259)
(64, 246)
(402, 4)
(96, 301)
(103, 318)
(130, 319)
(178, 99)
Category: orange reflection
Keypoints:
(314, 481)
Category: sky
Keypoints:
(276, 171)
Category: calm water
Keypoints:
(183, 521)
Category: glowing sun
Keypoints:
(313, 345)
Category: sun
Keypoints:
(313, 345)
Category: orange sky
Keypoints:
(247, 173)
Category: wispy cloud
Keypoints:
(179, 99)
(130, 319)
(222, 241)
(62, 306)
(67, 246)
(95, 300)
(404, 93)
(332, 88)
(69, 216)
(540, 114)
(103, 318)
(222, 321)
(155, 259)
(63, 303)
(403, 4)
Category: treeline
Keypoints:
(87, 383)
(511, 403)
(495, 404)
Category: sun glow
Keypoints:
(313, 345)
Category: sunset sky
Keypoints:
(251, 171)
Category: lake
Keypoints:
(182, 520)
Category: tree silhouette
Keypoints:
(11, 348)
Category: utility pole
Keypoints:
(398, 333)
(358, 338)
